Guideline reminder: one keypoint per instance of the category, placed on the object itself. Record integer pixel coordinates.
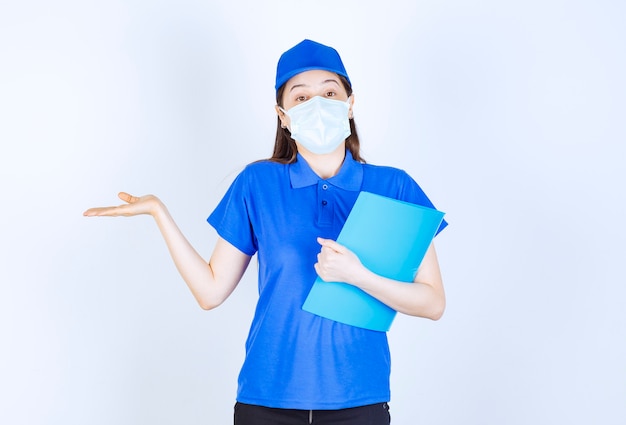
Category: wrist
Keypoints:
(157, 209)
(363, 277)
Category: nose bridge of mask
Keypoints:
(314, 110)
(317, 102)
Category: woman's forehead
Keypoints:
(315, 77)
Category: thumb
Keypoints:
(329, 243)
(127, 197)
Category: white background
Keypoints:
(510, 114)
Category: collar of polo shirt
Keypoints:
(349, 177)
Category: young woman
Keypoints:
(301, 368)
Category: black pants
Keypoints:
(373, 414)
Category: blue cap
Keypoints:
(305, 56)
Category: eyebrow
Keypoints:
(330, 80)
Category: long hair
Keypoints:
(285, 149)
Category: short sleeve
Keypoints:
(232, 217)
(412, 192)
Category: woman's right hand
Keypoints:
(147, 204)
(210, 283)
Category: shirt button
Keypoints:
(324, 186)
(324, 202)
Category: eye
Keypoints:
(301, 98)
(331, 94)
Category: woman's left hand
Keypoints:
(425, 297)
(336, 263)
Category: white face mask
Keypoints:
(320, 124)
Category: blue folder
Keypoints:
(390, 237)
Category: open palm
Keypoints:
(147, 204)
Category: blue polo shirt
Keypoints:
(295, 359)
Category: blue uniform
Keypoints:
(295, 359)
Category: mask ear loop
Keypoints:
(350, 104)
(282, 125)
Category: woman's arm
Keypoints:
(209, 283)
(424, 297)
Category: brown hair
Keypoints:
(285, 149)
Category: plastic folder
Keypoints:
(390, 237)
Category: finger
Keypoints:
(329, 243)
(90, 212)
(326, 253)
(319, 271)
(101, 211)
(127, 197)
